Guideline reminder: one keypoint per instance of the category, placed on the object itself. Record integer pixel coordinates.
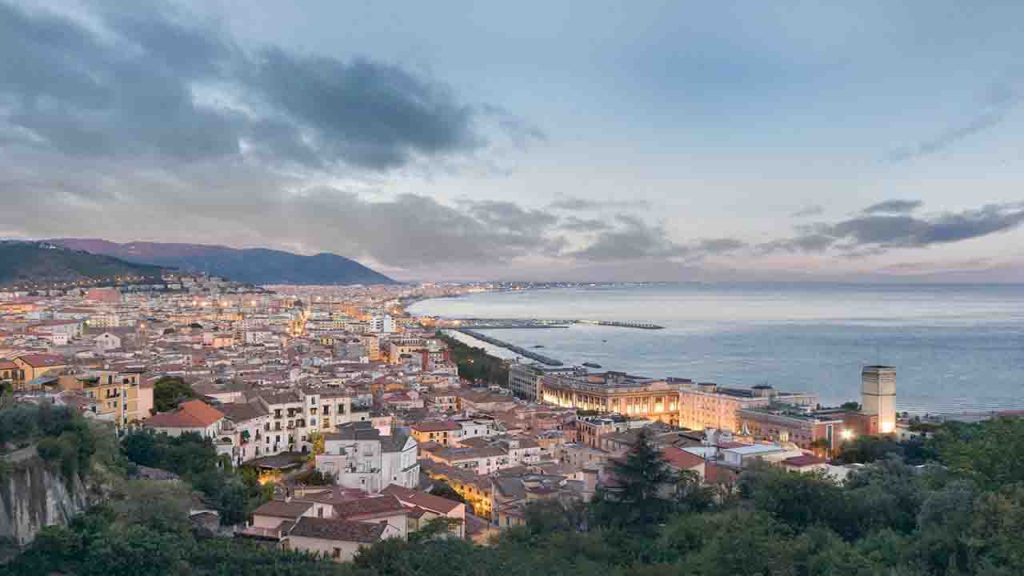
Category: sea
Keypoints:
(956, 348)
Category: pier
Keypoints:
(522, 323)
(517, 349)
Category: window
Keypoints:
(336, 553)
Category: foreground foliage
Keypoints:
(964, 514)
(234, 493)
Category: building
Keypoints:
(193, 416)
(32, 366)
(785, 423)
(524, 379)
(879, 396)
(708, 405)
(107, 341)
(117, 396)
(358, 456)
(339, 540)
(425, 507)
(614, 393)
(445, 432)
(739, 457)
(382, 324)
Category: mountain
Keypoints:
(46, 263)
(249, 265)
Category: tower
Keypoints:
(879, 396)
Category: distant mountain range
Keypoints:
(248, 265)
(24, 263)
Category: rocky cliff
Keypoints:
(34, 495)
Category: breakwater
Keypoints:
(520, 323)
(517, 349)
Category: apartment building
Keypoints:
(708, 405)
(357, 455)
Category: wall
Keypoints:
(32, 496)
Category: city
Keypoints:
(355, 413)
(559, 288)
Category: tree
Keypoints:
(691, 494)
(169, 392)
(445, 490)
(638, 482)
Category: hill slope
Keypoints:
(46, 263)
(250, 265)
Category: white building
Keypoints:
(357, 456)
(107, 341)
(382, 324)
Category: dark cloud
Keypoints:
(165, 86)
(873, 233)
(630, 239)
(893, 207)
(371, 114)
(719, 245)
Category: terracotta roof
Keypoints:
(421, 499)
(681, 459)
(191, 414)
(7, 365)
(339, 530)
(369, 507)
(242, 411)
(37, 360)
(442, 426)
(282, 509)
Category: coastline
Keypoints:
(821, 350)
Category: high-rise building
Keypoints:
(879, 396)
(382, 324)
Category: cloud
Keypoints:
(577, 224)
(155, 83)
(893, 207)
(577, 204)
(812, 210)
(141, 123)
(630, 239)
(878, 231)
(1001, 98)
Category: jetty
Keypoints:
(512, 347)
(521, 323)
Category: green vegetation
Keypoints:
(62, 437)
(233, 493)
(42, 263)
(169, 392)
(962, 515)
(145, 531)
(445, 490)
(475, 364)
(867, 449)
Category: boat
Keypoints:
(591, 365)
(538, 345)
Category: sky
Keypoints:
(575, 140)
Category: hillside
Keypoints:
(46, 263)
(249, 265)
